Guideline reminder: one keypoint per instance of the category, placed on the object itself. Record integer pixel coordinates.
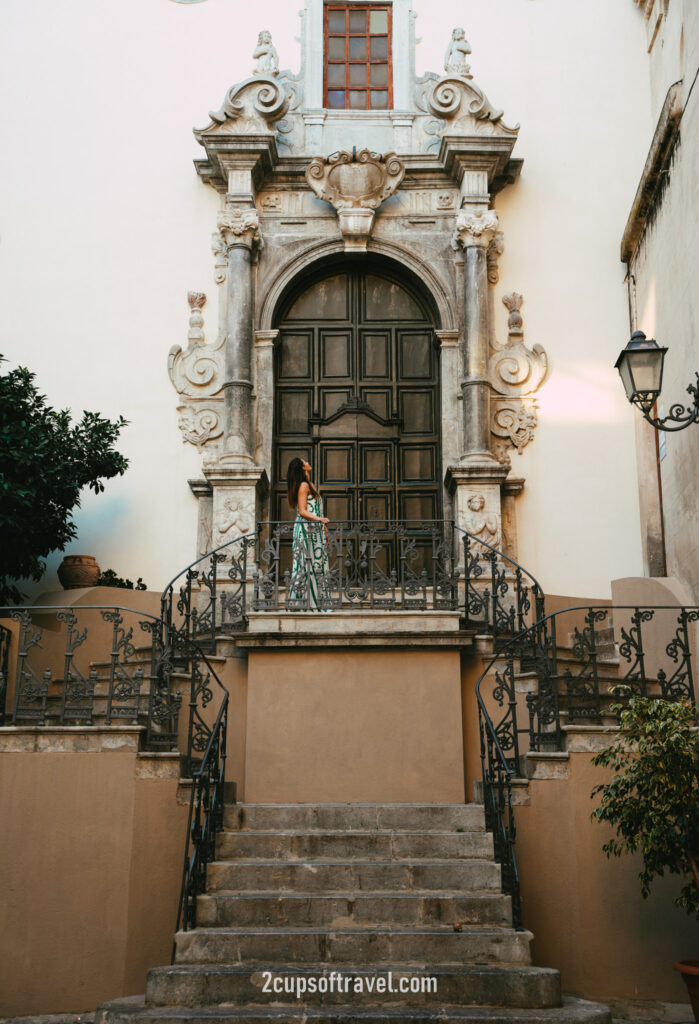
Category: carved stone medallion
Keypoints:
(355, 184)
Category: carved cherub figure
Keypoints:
(478, 522)
(455, 62)
(266, 55)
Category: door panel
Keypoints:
(357, 395)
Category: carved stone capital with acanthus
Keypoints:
(475, 228)
(239, 227)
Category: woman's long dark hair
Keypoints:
(295, 476)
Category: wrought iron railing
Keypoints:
(378, 565)
(381, 564)
(5, 638)
(565, 670)
(209, 595)
(501, 597)
(205, 817)
(67, 675)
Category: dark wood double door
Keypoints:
(357, 396)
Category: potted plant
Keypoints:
(652, 800)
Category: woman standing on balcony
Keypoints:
(308, 589)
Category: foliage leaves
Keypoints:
(652, 800)
(45, 461)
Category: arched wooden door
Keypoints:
(357, 395)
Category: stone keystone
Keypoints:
(355, 184)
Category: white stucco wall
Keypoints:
(665, 272)
(104, 227)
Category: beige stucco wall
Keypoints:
(91, 862)
(336, 726)
(664, 269)
(105, 227)
(586, 912)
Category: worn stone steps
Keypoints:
(300, 893)
(331, 844)
(363, 817)
(134, 1011)
(457, 984)
(371, 908)
(342, 875)
(367, 944)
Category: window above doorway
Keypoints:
(358, 65)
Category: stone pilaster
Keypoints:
(264, 397)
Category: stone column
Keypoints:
(238, 484)
(475, 481)
(474, 232)
(239, 227)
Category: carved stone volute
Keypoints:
(355, 184)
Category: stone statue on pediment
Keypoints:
(455, 62)
(266, 55)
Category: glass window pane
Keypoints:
(336, 99)
(336, 75)
(336, 48)
(357, 100)
(357, 75)
(358, 21)
(379, 100)
(336, 21)
(357, 48)
(378, 22)
(379, 75)
(379, 47)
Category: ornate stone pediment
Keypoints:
(253, 106)
(355, 184)
(454, 104)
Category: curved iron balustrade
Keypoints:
(60, 692)
(205, 818)
(570, 682)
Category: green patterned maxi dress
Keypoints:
(309, 584)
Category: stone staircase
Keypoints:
(363, 901)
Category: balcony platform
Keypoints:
(368, 627)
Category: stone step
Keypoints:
(376, 908)
(353, 945)
(133, 1011)
(322, 876)
(459, 984)
(379, 845)
(362, 817)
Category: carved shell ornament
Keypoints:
(355, 180)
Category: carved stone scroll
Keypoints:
(197, 375)
(355, 184)
(515, 372)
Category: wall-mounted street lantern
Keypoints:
(640, 367)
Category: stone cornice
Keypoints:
(663, 140)
(225, 151)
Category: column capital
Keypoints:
(239, 227)
(475, 228)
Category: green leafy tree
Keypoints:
(652, 800)
(45, 461)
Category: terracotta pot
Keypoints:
(78, 571)
(689, 969)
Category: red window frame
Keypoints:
(388, 60)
